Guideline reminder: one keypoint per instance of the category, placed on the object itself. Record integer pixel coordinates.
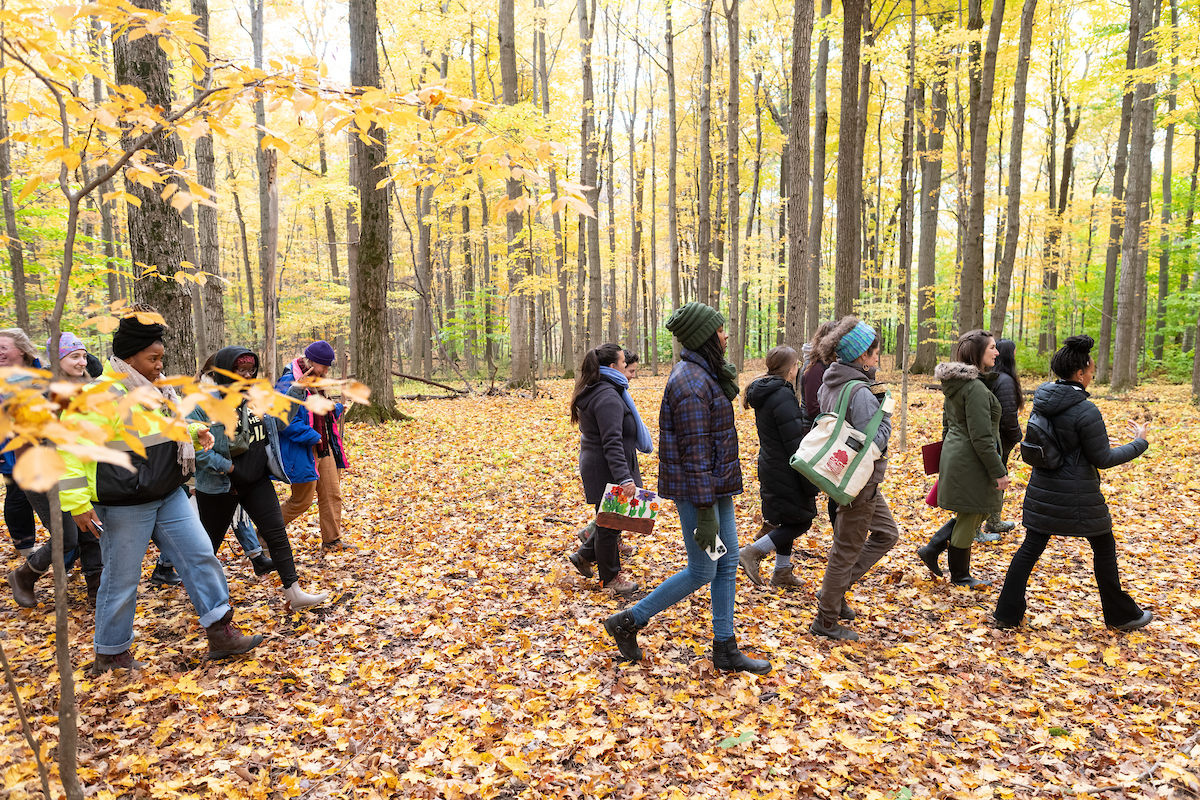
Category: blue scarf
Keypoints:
(645, 444)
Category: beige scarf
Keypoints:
(134, 379)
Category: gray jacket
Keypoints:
(863, 406)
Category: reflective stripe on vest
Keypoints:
(72, 483)
(147, 442)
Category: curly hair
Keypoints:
(1072, 357)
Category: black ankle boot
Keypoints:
(932, 551)
(621, 627)
(262, 565)
(960, 568)
(726, 656)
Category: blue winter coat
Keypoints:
(213, 466)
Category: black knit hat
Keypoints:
(694, 323)
(132, 337)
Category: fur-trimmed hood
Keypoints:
(955, 371)
(826, 348)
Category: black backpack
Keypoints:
(1040, 447)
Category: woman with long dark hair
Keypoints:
(1007, 388)
(1067, 501)
(788, 499)
(609, 431)
(700, 471)
(972, 477)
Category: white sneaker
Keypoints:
(297, 598)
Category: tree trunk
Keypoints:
(241, 221)
(817, 215)
(971, 308)
(16, 253)
(849, 155)
(270, 248)
(737, 323)
(799, 175)
(213, 290)
(371, 362)
(155, 227)
(930, 199)
(520, 369)
(672, 175)
(1120, 166)
(1125, 354)
(1012, 216)
(1164, 241)
(704, 187)
(588, 176)
(906, 221)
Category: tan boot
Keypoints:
(784, 578)
(297, 598)
(620, 585)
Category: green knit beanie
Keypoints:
(694, 323)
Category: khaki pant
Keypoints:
(863, 533)
(327, 489)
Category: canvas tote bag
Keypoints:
(837, 458)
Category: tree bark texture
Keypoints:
(930, 199)
(704, 187)
(737, 334)
(820, 134)
(847, 255)
(521, 367)
(799, 175)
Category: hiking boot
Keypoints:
(620, 585)
(581, 564)
(22, 580)
(164, 575)
(727, 657)
(225, 639)
(1005, 624)
(297, 598)
(106, 663)
(750, 559)
(1140, 622)
(338, 544)
(845, 612)
(995, 524)
(784, 578)
(834, 631)
(986, 536)
(262, 565)
(624, 630)
(93, 588)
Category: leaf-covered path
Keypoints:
(464, 657)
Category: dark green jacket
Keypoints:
(970, 461)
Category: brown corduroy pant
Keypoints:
(327, 489)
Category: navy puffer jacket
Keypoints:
(1067, 501)
(698, 444)
(787, 497)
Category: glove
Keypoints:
(706, 528)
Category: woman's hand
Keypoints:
(1003, 482)
(629, 489)
(205, 438)
(88, 521)
(1141, 431)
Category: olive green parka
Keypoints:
(970, 462)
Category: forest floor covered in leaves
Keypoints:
(463, 656)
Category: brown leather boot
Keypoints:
(107, 663)
(93, 588)
(22, 581)
(784, 578)
(226, 639)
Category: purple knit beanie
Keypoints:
(67, 343)
(320, 352)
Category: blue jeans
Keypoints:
(701, 569)
(243, 529)
(127, 531)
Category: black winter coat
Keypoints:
(787, 497)
(1005, 389)
(1067, 501)
(607, 440)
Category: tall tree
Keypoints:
(820, 133)
(930, 199)
(268, 225)
(982, 77)
(672, 173)
(1137, 197)
(1164, 241)
(589, 175)
(213, 290)
(849, 182)
(371, 361)
(155, 227)
(1120, 165)
(798, 172)
(737, 336)
(521, 370)
(16, 251)
(1012, 216)
(704, 188)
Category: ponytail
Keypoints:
(589, 372)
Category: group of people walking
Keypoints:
(111, 514)
(699, 469)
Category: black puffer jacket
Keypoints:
(1067, 501)
(1005, 389)
(787, 497)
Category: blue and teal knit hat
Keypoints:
(856, 342)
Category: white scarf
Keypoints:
(134, 379)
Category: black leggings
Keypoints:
(1119, 607)
(18, 515)
(262, 506)
(784, 535)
